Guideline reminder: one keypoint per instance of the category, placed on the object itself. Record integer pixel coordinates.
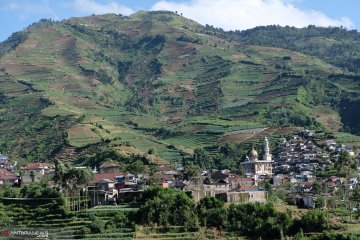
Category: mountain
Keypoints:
(157, 83)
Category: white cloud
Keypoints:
(92, 7)
(25, 10)
(245, 14)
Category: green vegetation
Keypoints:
(330, 44)
(168, 207)
(156, 80)
(133, 163)
(163, 213)
(155, 87)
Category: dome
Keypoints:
(254, 154)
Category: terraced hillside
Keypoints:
(157, 83)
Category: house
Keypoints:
(167, 175)
(309, 201)
(109, 167)
(237, 181)
(115, 187)
(34, 171)
(111, 176)
(280, 179)
(353, 181)
(7, 177)
(7, 165)
(102, 187)
(217, 181)
(3, 158)
(106, 191)
(333, 183)
(243, 195)
(307, 133)
(330, 142)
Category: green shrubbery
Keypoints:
(97, 156)
(168, 207)
(171, 207)
(287, 117)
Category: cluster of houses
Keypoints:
(295, 164)
(110, 185)
(292, 167)
(298, 157)
(31, 172)
(305, 193)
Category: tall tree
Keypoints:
(69, 178)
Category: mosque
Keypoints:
(258, 168)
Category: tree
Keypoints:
(319, 202)
(300, 235)
(191, 170)
(168, 207)
(202, 158)
(60, 170)
(345, 164)
(212, 212)
(312, 221)
(38, 190)
(266, 185)
(32, 176)
(317, 188)
(355, 197)
(258, 220)
(7, 190)
(70, 178)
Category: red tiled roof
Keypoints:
(33, 166)
(6, 175)
(166, 177)
(100, 176)
(239, 179)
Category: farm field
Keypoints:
(151, 75)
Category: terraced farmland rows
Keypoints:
(70, 226)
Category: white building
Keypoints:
(255, 167)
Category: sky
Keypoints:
(15, 15)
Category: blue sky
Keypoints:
(227, 14)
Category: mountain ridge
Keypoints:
(157, 81)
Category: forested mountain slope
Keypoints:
(157, 83)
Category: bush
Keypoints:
(312, 221)
(104, 77)
(211, 212)
(97, 225)
(168, 207)
(258, 220)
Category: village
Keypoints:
(291, 173)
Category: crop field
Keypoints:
(193, 141)
(82, 135)
(347, 138)
(161, 74)
(144, 144)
